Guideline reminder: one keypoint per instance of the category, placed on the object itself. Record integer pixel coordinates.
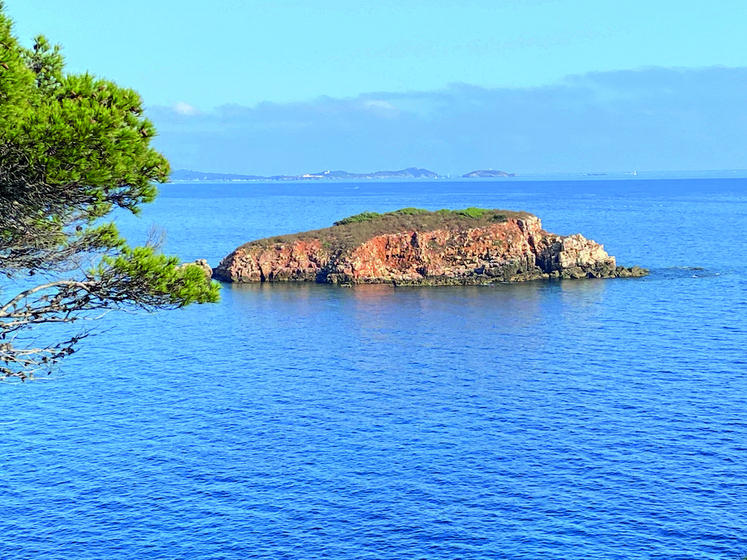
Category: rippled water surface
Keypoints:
(576, 419)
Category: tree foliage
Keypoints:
(73, 148)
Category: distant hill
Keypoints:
(409, 173)
(487, 173)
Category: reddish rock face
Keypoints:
(302, 260)
(514, 250)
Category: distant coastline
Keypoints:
(186, 175)
(418, 174)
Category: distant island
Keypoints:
(487, 173)
(409, 173)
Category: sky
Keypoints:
(291, 86)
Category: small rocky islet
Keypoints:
(419, 247)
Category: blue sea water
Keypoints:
(575, 419)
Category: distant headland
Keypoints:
(408, 173)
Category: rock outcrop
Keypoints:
(414, 247)
(203, 264)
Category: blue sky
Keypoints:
(288, 86)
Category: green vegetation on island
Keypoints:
(471, 212)
(354, 230)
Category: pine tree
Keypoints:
(74, 148)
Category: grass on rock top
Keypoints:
(355, 230)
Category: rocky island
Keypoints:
(419, 247)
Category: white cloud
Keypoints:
(185, 109)
(381, 107)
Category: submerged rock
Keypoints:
(416, 247)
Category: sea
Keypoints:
(576, 419)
